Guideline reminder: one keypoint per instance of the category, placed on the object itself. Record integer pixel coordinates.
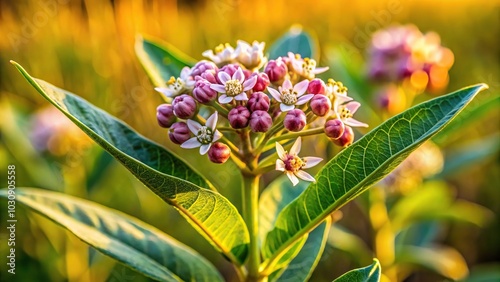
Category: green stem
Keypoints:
(313, 131)
(251, 216)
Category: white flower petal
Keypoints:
(208, 54)
(204, 148)
(223, 77)
(296, 147)
(287, 84)
(305, 176)
(164, 90)
(249, 83)
(219, 88)
(185, 73)
(303, 99)
(311, 161)
(281, 152)
(286, 108)
(217, 136)
(191, 143)
(238, 75)
(241, 97)
(224, 99)
(354, 123)
(353, 106)
(276, 95)
(292, 178)
(193, 126)
(212, 121)
(280, 165)
(301, 87)
(320, 70)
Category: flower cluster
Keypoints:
(238, 104)
(404, 54)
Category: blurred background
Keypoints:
(87, 47)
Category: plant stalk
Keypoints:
(251, 216)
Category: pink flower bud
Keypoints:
(219, 153)
(184, 106)
(334, 128)
(202, 91)
(258, 102)
(209, 75)
(238, 117)
(262, 81)
(165, 115)
(346, 139)
(276, 70)
(201, 67)
(320, 105)
(316, 86)
(260, 121)
(295, 120)
(179, 132)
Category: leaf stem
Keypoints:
(251, 217)
(308, 132)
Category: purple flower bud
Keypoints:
(209, 75)
(258, 102)
(203, 66)
(179, 132)
(334, 128)
(238, 117)
(184, 106)
(346, 139)
(276, 70)
(260, 121)
(316, 86)
(262, 81)
(219, 153)
(202, 91)
(320, 105)
(295, 120)
(165, 115)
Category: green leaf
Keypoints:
(298, 263)
(168, 177)
(136, 244)
(296, 41)
(370, 273)
(361, 165)
(303, 264)
(443, 260)
(160, 60)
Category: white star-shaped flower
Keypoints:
(290, 96)
(292, 165)
(181, 85)
(233, 87)
(204, 136)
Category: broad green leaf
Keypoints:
(160, 60)
(443, 260)
(122, 237)
(296, 41)
(361, 165)
(473, 115)
(303, 264)
(370, 273)
(298, 263)
(168, 177)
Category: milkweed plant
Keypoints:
(256, 108)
